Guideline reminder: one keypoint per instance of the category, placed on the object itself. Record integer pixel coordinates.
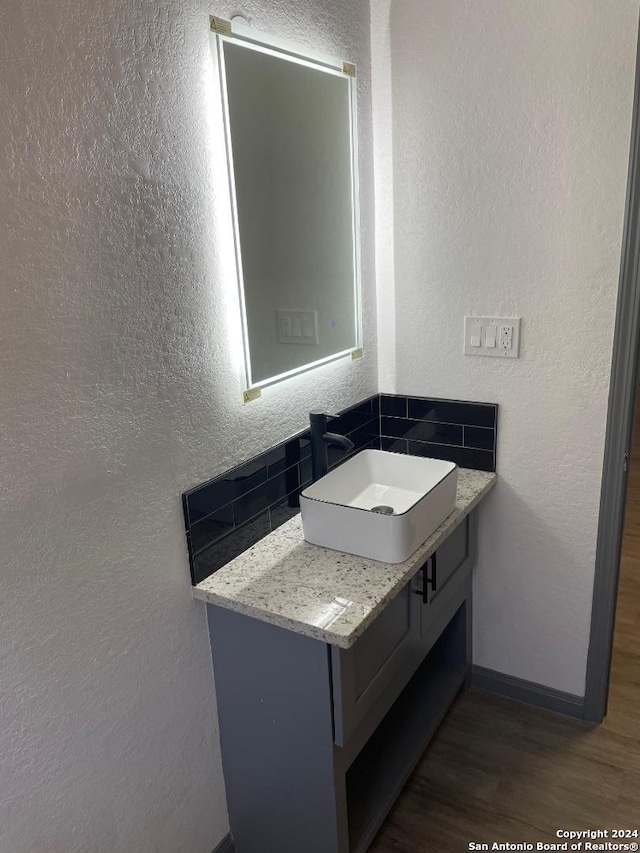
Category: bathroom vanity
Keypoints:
(332, 673)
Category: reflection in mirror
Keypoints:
(290, 130)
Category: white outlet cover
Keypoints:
(471, 325)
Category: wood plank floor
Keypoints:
(500, 771)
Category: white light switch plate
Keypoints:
(297, 327)
(496, 337)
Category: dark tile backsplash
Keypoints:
(213, 558)
(479, 437)
(228, 514)
(452, 412)
(482, 460)
(459, 431)
(421, 430)
(394, 406)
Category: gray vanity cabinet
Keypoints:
(447, 560)
(368, 676)
(317, 741)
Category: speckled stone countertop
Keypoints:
(321, 593)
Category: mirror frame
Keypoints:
(238, 30)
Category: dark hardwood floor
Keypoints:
(501, 771)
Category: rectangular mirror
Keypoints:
(290, 125)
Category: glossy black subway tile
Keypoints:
(282, 457)
(375, 406)
(453, 412)
(276, 460)
(210, 499)
(222, 552)
(209, 530)
(305, 469)
(481, 460)
(393, 405)
(305, 444)
(292, 478)
(215, 494)
(394, 445)
(362, 435)
(352, 419)
(421, 430)
(336, 455)
(372, 403)
(394, 427)
(285, 510)
(480, 438)
(260, 498)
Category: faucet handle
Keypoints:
(321, 412)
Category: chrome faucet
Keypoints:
(320, 441)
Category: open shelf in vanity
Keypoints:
(381, 769)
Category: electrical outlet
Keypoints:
(506, 337)
(496, 337)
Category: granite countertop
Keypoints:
(321, 593)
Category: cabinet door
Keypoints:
(368, 677)
(447, 560)
(440, 568)
(440, 581)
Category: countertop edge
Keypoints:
(345, 641)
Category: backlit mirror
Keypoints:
(290, 124)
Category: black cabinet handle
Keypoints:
(433, 580)
(428, 581)
(424, 592)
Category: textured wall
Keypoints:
(382, 100)
(511, 127)
(121, 386)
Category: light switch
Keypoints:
(285, 327)
(498, 337)
(297, 327)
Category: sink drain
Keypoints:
(383, 509)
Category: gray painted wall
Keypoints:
(121, 387)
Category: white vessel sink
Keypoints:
(379, 505)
